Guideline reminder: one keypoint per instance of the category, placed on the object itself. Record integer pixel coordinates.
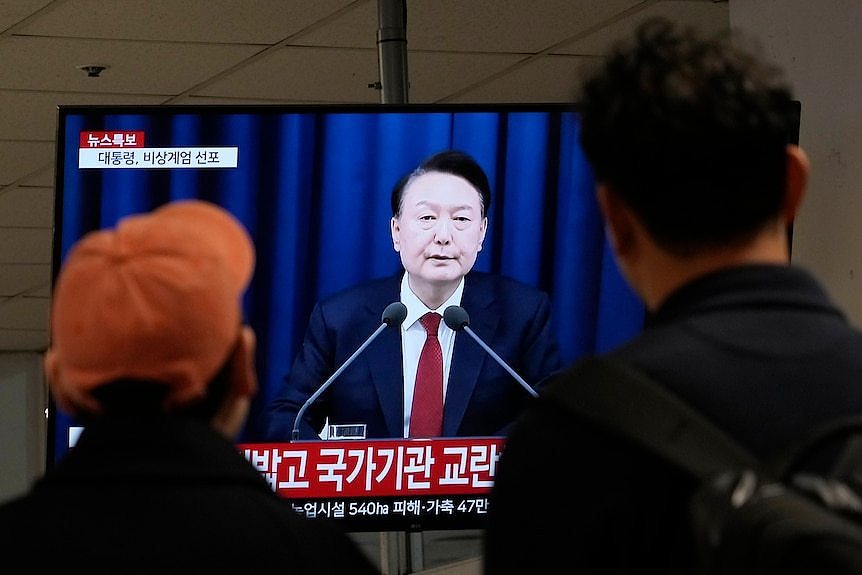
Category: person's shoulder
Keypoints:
(368, 290)
(357, 306)
(13, 509)
(485, 279)
(23, 518)
(503, 286)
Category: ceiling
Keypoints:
(262, 51)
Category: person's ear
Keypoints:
(52, 375)
(618, 219)
(395, 230)
(242, 381)
(245, 372)
(798, 169)
(49, 364)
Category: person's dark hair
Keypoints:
(691, 133)
(448, 162)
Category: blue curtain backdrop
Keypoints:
(313, 186)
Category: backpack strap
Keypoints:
(849, 464)
(628, 402)
(845, 432)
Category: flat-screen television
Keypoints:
(312, 185)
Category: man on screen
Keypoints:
(439, 221)
(149, 353)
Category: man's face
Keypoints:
(440, 230)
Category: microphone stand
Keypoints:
(394, 314)
(295, 433)
(499, 359)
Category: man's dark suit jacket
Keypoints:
(482, 398)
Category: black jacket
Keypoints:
(760, 350)
(165, 495)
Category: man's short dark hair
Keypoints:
(452, 162)
(691, 133)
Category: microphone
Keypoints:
(457, 319)
(393, 315)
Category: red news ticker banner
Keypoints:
(384, 468)
(111, 139)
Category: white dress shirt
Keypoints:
(413, 338)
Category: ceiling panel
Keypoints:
(23, 340)
(20, 279)
(35, 116)
(21, 158)
(25, 246)
(705, 15)
(354, 27)
(26, 207)
(28, 313)
(12, 13)
(303, 74)
(42, 177)
(505, 26)
(562, 73)
(435, 76)
(51, 64)
(208, 21)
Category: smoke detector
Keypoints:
(93, 70)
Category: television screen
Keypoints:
(312, 185)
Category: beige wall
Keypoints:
(22, 421)
(818, 44)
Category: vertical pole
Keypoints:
(392, 61)
(415, 551)
(392, 50)
(393, 553)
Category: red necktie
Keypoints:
(426, 417)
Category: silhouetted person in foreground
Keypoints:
(149, 352)
(698, 180)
